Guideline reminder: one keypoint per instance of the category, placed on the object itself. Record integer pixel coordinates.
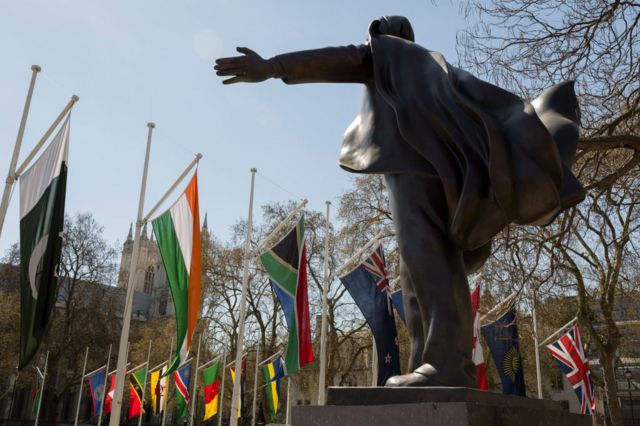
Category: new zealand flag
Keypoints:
(502, 338)
(369, 287)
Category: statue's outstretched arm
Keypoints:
(346, 64)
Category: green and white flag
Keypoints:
(42, 195)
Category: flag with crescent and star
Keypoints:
(368, 285)
(502, 338)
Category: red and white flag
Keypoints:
(476, 353)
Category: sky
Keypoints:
(132, 62)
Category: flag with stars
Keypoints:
(502, 338)
(369, 287)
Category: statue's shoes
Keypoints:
(427, 375)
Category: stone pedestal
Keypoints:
(441, 406)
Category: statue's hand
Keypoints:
(248, 68)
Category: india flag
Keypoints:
(178, 234)
(42, 195)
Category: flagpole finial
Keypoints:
(198, 156)
(151, 125)
(36, 68)
(75, 98)
(328, 203)
(253, 170)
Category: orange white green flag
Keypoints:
(178, 234)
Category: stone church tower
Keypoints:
(150, 282)
(153, 295)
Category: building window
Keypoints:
(557, 381)
(148, 280)
(162, 306)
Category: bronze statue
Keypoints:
(462, 159)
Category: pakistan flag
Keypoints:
(42, 193)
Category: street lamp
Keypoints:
(628, 375)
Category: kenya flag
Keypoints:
(178, 233)
(42, 192)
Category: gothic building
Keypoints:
(152, 294)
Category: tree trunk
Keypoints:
(611, 390)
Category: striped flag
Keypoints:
(286, 264)
(36, 396)
(42, 196)
(136, 388)
(182, 377)
(476, 352)
(178, 233)
(108, 399)
(210, 379)
(273, 372)
(159, 383)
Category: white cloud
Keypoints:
(207, 44)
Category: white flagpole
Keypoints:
(374, 363)
(235, 398)
(535, 345)
(144, 385)
(106, 384)
(291, 390)
(166, 391)
(44, 378)
(46, 135)
(276, 231)
(255, 387)
(323, 332)
(221, 399)
(11, 177)
(558, 331)
(84, 367)
(351, 263)
(126, 320)
(194, 399)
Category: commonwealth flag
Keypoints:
(36, 396)
(502, 338)
(108, 400)
(243, 366)
(42, 196)
(136, 389)
(182, 377)
(286, 264)
(369, 286)
(210, 379)
(158, 383)
(178, 233)
(273, 372)
(97, 384)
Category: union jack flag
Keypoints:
(376, 265)
(569, 353)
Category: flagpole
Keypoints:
(44, 378)
(166, 391)
(374, 363)
(106, 384)
(221, 399)
(11, 176)
(356, 257)
(126, 321)
(194, 399)
(84, 367)
(235, 398)
(290, 388)
(558, 331)
(323, 332)
(276, 231)
(46, 135)
(255, 387)
(535, 345)
(144, 385)
(172, 187)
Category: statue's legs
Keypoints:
(437, 292)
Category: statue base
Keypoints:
(443, 406)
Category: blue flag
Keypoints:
(369, 288)
(502, 338)
(396, 298)
(96, 386)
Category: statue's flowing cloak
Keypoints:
(497, 161)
